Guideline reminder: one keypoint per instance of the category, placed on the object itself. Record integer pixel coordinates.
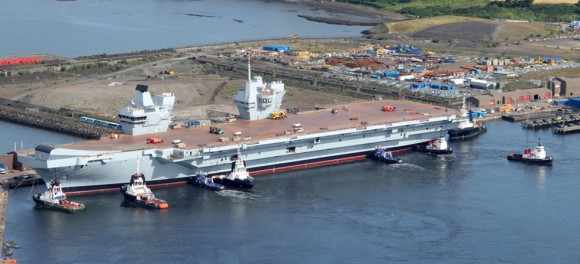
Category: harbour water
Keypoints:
(471, 207)
(85, 27)
(17, 137)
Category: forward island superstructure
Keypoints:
(145, 115)
(302, 140)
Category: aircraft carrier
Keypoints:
(337, 133)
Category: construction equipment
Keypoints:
(216, 130)
(278, 115)
(168, 72)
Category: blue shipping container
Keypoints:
(435, 86)
(560, 102)
(418, 85)
(392, 74)
(574, 103)
(447, 87)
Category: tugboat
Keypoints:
(54, 198)
(535, 156)
(238, 177)
(437, 147)
(205, 181)
(136, 192)
(384, 155)
(467, 128)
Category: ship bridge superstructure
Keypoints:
(146, 115)
(259, 99)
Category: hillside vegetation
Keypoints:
(540, 10)
(408, 26)
(513, 31)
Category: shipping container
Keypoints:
(406, 77)
(435, 86)
(418, 85)
(574, 103)
(560, 102)
(393, 74)
(448, 60)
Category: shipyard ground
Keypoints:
(202, 90)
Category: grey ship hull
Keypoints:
(81, 171)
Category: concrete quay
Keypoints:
(566, 129)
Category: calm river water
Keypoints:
(471, 207)
(84, 27)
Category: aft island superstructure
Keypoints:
(345, 133)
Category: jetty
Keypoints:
(551, 122)
(522, 116)
(566, 129)
(21, 181)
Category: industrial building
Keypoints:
(564, 87)
(515, 97)
(277, 48)
(481, 84)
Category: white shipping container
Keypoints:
(406, 77)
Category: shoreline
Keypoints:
(348, 14)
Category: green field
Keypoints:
(509, 9)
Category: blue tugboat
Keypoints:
(205, 181)
(384, 156)
(535, 156)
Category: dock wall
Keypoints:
(52, 122)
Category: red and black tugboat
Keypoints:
(535, 156)
(205, 181)
(437, 147)
(54, 198)
(384, 155)
(238, 177)
(136, 192)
